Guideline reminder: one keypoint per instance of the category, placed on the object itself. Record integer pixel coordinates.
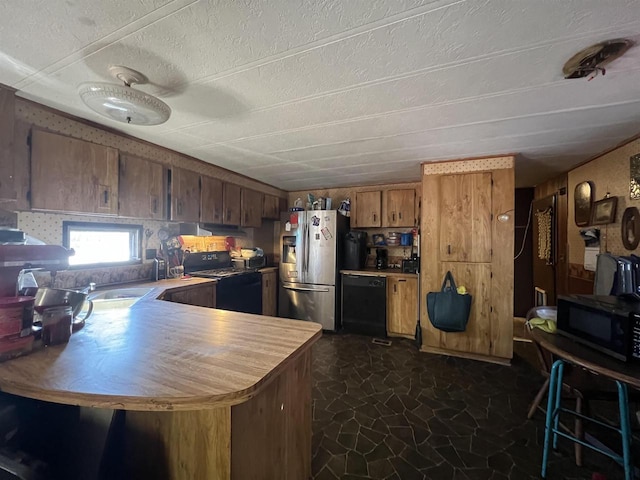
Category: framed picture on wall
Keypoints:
(604, 211)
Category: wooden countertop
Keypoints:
(159, 355)
(268, 269)
(374, 272)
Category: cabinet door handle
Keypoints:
(228, 214)
(155, 205)
(374, 217)
(106, 197)
(393, 216)
(448, 249)
(400, 215)
(402, 280)
(179, 207)
(395, 288)
(266, 283)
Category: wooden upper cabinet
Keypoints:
(251, 208)
(400, 208)
(71, 175)
(231, 203)
(271, 207)
(368, 209)
(7, 162)
(465, 217)
(142, 188)
(212, 200)
(185, 195)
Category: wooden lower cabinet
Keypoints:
(402, 306)
(267, 436)
(199, 295)
(269, 293)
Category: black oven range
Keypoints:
(238, 290)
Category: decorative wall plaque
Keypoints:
(582, 199)
(604, 211)
(634, 182)
(631, 228)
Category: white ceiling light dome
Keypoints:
(122, 102)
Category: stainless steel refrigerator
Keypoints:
(311, 256)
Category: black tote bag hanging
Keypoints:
(448, 310)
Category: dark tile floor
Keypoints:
(394, 413)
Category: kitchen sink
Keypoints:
(117, 298)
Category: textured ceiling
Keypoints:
(328, 93)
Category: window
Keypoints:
(102, 244)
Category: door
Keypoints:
(185, 195)
(269, 293)
(368, 209)
(71, 175)
(477, 338)
(251, 208)
(311, 303)
(402, 305)
(465, 217)
(231, 202)
(400, 211)
(211, 200)
(271, 207)
(319, 262)
(292, 243)
(141, 188)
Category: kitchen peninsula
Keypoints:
(207, 393)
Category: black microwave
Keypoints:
(609, 324)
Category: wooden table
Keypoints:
(624, 374)
(207, 393)
(588, 358)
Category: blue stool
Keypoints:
(553, 418)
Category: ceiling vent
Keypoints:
(592, 60)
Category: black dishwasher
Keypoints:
(364, 305)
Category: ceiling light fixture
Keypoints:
(121, 102)
(591, 61)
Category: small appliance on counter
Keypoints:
(411, 265)
(242, 263)
(606, 323)
(17, 312)
(355, 250)
(382, 259)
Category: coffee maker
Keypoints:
(382, 259)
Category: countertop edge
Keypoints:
(380, 273)
(138, 403)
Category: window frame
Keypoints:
(135, 247)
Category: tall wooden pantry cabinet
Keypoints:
(461, 233)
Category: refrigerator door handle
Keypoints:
(305, 259)
(303, 289)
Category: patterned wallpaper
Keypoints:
(48, 228)
(609, 173)
(471, 165)
(42, 117)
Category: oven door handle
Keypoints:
(303, 289)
